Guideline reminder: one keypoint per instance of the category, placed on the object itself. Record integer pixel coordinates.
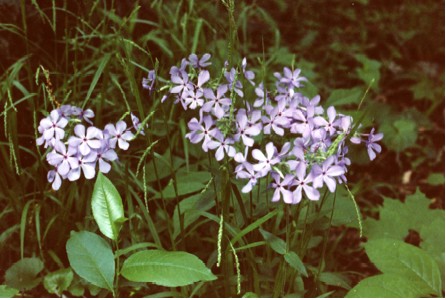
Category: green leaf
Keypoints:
(250, 295)
(432, 236)
(369, 71)
(345, 96)
(396, 218)
(399, 134)
(91, 258)
(191, 208)
(436, 179)
(296, 263)
(165, 268)
(385, 286)
(277, 244)
(58, 282)
(107, 208)
(187, 183)
(7, 292)
(335, 279)
(396, 257)
(23, 274)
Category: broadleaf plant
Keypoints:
(166, 268)
(107, 207)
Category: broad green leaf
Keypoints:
(369, 71)
(345, 96)
(277, 244)
(399, 134)
(191, 208)
(296, 263)
(396, 217)
(58, 282)
(432, 236)
(7, 292)
(187, 183)
(23, 274)
(107, 208)
(335, 279)
(396, 257)
(385, 286)
(165, 268)
(91, 258)
(435, 179)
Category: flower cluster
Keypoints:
(86, 147)
(280, 135)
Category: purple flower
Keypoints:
(175, 71)
(275, 121)
(51, 129)
(244, 131)
(194, 99)
(371, 144)
(262, 96)
(290, 79)
(223, 145)
(87, 114)
(249, 75)
(313, 104)
(86, 164)
(136, 124)
(325, 173)
(247, 172)
(149, 82)
(65, 111)
(183, 86)
(63, 159)
(199, 64)
(104, 155)
(218, 105)
(329, 125)
(54, 177)
(302, 123)
(86, 142)
(282, 187)
(302, 183)
(200, 132)
(237, 86)
(119, 134)
(265, 162)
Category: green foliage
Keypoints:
(7, 292)
(400, 134)
(385, 286)
(107, 207)
(22, 275)
(408, 271)
(165, 268)
(435, 179)
(345, 96)
(58, 281)
(396, 218)
(370, 71)
(410, 266)
(95, 57)
(91, 258)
